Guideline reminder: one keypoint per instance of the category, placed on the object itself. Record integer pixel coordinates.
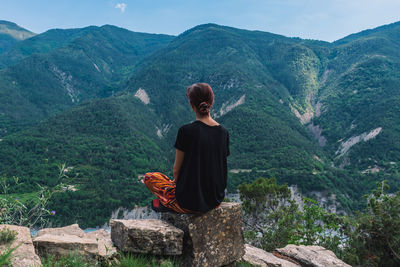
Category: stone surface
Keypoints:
(146, 236)
(71, 239)
(313, 256)
(214, 238)
(73, 229)
(63, 245)
(25, 254)
(259, 257)
(106, 247)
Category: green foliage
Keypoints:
(272, 218)
(122, 260)
(27, 211)
(104, 159)
(319, 227)
(371, 238)
(244, 264)
(71, 260)
(130, 260)
(376, 237)
(7, 235)
(5, 257)
(270, 214)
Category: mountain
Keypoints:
(68, 67)
(108, 102)
(10, 34)
(40, 44)
(358, 100)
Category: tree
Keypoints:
(270, 214)
(272, 218)
(376, 238)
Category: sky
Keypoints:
(326, 20)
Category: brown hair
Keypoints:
(201, 96)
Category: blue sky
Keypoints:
(327, 20)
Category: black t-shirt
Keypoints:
(202, 178)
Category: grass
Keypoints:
(129, 260)
(245, 264)
(5, 257)
(146, 261)
(7, 236)
(72, 260)
(22, 197)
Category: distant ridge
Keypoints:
(15, 31)
(381, 29)
(11, 33)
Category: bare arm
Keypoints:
(179, 155)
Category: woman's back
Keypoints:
(202, 178)
(200, 169)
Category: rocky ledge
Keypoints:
(212, 239)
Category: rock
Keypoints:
(73, 229)
(214, 238)
(105, 245)
(311, 256)
(25, 254)
(94, 246)
(259, 257)
(147, 237)
(63, 245)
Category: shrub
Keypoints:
(30, 212)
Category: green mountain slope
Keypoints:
(105, 145)
(90, 66)
(360, 97)
(10, 34)
(40, 44)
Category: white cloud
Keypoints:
(121, 6)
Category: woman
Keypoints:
(200, 168)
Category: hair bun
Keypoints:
(204, 107)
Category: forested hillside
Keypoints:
(360, 97)
(62, 68)
(108, 103)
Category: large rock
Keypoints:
(259, 257)
(73, 229)
(214, 238)
(94, 246)
(25, 254)
(312, 256)
(63, 245)
(146, 236)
